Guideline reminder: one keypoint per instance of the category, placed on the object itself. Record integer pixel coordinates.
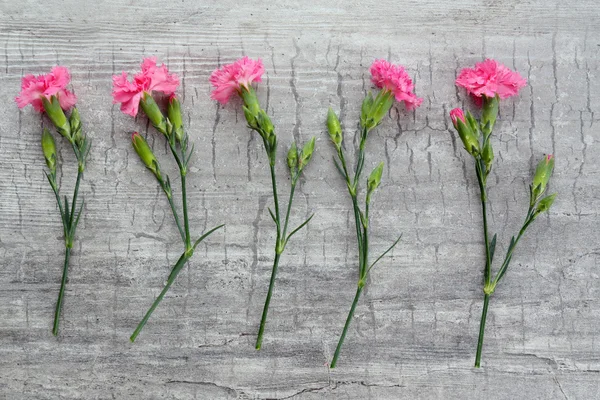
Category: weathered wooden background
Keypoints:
(415, 330)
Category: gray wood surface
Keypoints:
(415, 330)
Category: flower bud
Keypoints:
(487, 155)
(49, 150)
(265, 124)
(307, 152)
(374, 179)
(542, 175)
(145, 152)
(545, 203)
(174, 113)
(292, 157)
(374, 109)
(365, 109)
(489, 113)
(250, 100)
(153, 112)
(465, 131)
(57, 116)
(381, 106)
(334, 128)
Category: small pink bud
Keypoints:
(455, 114)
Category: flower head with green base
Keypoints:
(48, 95)
(488, 82)
(394, 83)
(236, 79)
(138, 93)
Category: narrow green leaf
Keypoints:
(493, 247)
(299, 227)
(384, 253)
(206, 235)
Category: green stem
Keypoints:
(348, 320)
(289, 207)
(486, 302)
(61, 293)
(175, 216)
(263, 320)
(74, 201)
(182, 260)
(186, 222)
(275, 200)
(482, 188)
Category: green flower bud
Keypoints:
(292, 157)
(465, 131)
(473, 123)
(381, 107)
(174, 113)
(487, 155)
(545, 203)
(250, 118)
(250, 100)
(265, 124)
(57, 116)
(489, 113)
(334, 128)
(373, 110)
(542, 175)
(154, 114)
(307, 152)
(365, 110)
(374, 179)
(49, 150)
(145, 152)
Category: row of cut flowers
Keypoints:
(487, 83)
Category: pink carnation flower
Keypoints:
(34, 88)
(457, 114)
(230, 78)
(394, 78)
(151, 78)
(490, 78)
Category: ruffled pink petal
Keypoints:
(394, 78)
(490, 78)
(131, 106)
(57, 80)
(229, 79)
(126, 93)
(66, 99)
(157, 78)
(33, 88)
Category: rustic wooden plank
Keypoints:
(415, 330)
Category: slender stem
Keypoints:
(486, 302)
(289, 207)
(348, 320)
(175, 216)
(186, 222)
(365, 260)
(182, 260)
(488, 258)
(275, 200)
(74, 201)
(61, 293)
(354, 202)
(263, 320)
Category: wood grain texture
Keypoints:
(415, 330)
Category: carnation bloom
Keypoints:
(490, 78)
(394, 78)
(230, 78)
(151, 78)
(34, 88)
(457, 114)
